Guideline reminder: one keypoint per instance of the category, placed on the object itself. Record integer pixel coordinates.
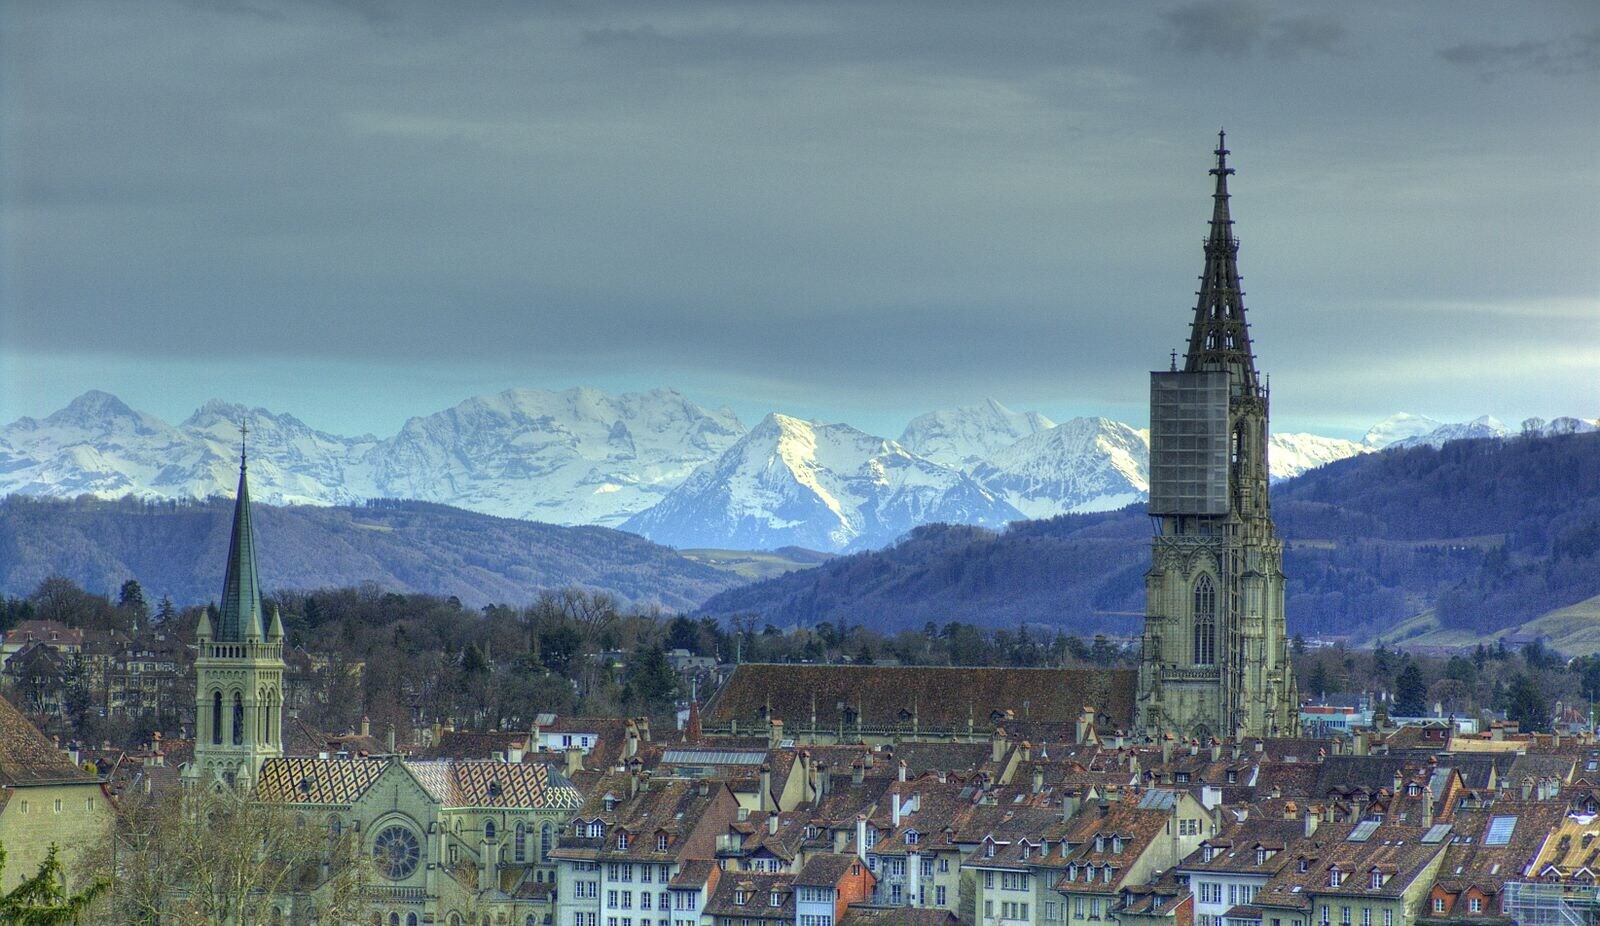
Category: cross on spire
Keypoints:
(244, 433)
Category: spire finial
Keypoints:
(1222, 169)
(244, 433)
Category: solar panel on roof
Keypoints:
(711, 757)
(1436, 833)
(1499, 833)
(1363, 830)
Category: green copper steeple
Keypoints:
(240, 618)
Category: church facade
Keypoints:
(1215, 660)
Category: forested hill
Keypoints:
(1491, 532)
(178, 550)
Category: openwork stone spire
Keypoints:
(240, 613)
(1220, 337)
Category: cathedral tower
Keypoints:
(1215, 653)
(239, 669)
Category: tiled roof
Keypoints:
(940, 696)
(1469, 861)
(1234, 848)
(1396, 851)
(863, 915)
(825, 869)
(757, 888)
(474, 783)
(316, 781)
(27, 758)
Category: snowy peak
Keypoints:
(1290, 454)
(1398, 427)
(1483, 426)
(964, 437)
(823, 486)
(1086, 464)
(579, 456)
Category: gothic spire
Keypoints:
(1220, 337)
(240, 613)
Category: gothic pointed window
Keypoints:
(216, 718)
(238, 719)
(1205, 622)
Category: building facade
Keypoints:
(1215, 653)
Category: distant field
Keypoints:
(755, 565)
(1573, 630)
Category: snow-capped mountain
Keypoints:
(964, 437)
(1484, 426)
(1398, 427)
(574, 457)
(1290, 454)
(99, 446)
(821, 486)
(1086, 464)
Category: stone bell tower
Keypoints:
(1215, 651)
(238, 669)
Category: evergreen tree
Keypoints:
(165, 611)
(42, 899)
(652, 685)
(1526, 705)
(1410, 692)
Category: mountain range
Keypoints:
(652, 462)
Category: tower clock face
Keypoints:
(396, 852)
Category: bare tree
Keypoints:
(211, 857)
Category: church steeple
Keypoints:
(240, 618)
(1220, 337)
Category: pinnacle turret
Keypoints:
(1220, 336)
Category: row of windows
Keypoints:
(623, 871)
(1211, 892)
(60, 805)
(623, 900)
(1366, 916)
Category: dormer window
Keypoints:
(1181, 778)
(912, 836)
(622, 839)
(739, 897)
(1207, 852)
(811, 831)
(1099, 843)
(1072, 872)
(1413, 789)
(1334, 876)
(1116, 845)
(1027, 850)
(1262, 855)
(988, 850)
(1304, 866)
(1108, 871)
(1377, 878)
(1233, 777)
(662, 839)
(776, 899)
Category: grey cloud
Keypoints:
(1563, 57)
(1235, 28)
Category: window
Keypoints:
(938, 895)
(1205, 621)
(622, 839)
(775, 899)
(488, 830)
(644, 900)
(944, 866)
(1344, 915)
(645, 872)
(988, 908)
(1475, 904)
(238, 719)
(661, 842)
(216, 718)
(739, 897)
(547, 839)
(911, 837)
(1388, 918)
(520, 850)
(1438, 904)
(58, 805)
(988, 880)
(1077, 907)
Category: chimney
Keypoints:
(1194, 747)
(630, 739)
(1260, 745)
(766, 788)
(997, 745)
(1236, 750)
(1427, 806)
(1104, 807)
(857, 773)
(366, 726)
(574, 760)
(1311, 822)
(1081, 729)
(772, 823)
(644, 729)
(1291, 810)
(1069, 805)
(824, 783)
(1527, 788)
(774, 733)
(840, 838)
(1038, 779)
(1399, 782)
(1166, 749)
(633, 783)
(861, 838)
(914, 876)
(902, 770)
(703, 785)
(894, 808)
(1216, 750)
(1027, 751)
(390, 739)
(438, 733)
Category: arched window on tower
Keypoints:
(520, 847)
(216, 718)
(1205, 622)
(238, 719)
(547, 841)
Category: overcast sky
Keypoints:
(357, 211)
